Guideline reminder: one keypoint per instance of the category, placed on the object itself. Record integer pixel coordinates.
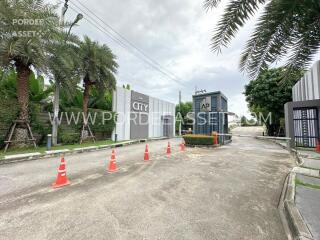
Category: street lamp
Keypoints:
(78, 18)
(55, 124)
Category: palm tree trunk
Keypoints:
(86, 95)
(23, 73)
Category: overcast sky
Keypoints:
(177, 35)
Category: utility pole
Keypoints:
(180, 113)
(55, 124)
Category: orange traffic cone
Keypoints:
(215, 139)
(317, 146)
(112, 164)
(146, 153)
(168, 149)
(62, 179)
(182, 147)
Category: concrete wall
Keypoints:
(159, 109)
(121, 104)
(308, 88)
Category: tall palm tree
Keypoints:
(286, 29)
(23, 44)
(27, 26)
(98, 67)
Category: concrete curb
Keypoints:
(209, 146)
(36, 156)
(298, 159)
(292, 220)
(203, 146)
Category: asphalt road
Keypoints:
(225, 193)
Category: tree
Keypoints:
(182, 111)
(26, 29)
(96, 99)
(98, 67)
(286, 27)
(128, 87)
(38, 92)
(268, 94)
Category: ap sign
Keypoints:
(205, 105)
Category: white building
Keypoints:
(140, 116)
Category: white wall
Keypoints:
(308, 88)
(157, 109)
(121, 104)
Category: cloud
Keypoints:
(177, 35)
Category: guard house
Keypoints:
(211, 113)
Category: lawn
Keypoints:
(42, 149)
(314, 186)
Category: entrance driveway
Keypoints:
(228, 193)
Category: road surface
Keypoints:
(224, 193)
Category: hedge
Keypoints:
(41, 126)
(194, 139)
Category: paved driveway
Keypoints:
(226, 193)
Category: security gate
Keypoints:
(306, 127)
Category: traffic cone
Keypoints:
(317, 146)
(215, 139)
(112, 164)
(146, 153)
(62, 179)
(182, 147)
(168, 149)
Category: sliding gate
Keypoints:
(306, 126)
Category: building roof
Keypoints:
(210, 94)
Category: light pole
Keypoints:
(55, 124)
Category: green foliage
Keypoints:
(70, 138)
(67, 101)
(102, 126)
(181, 111)
(267, 94)
(248, 122)
(128, 87)
(16, 45)
(101, 101)
(8, 112)
(286, 29)
(102, 121)
(96, 100)
(194, 139)
(39, 128)
(98, 65)
(38, 92)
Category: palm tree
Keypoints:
(98, 67)
(27, 26)
(286, 29)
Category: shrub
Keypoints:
(194, 139)
(70, 138)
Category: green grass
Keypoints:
(42, 149)
(314, 186)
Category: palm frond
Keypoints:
(306, 46)
(273, 37)
(209, 4)
(236, 14)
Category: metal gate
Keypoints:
(306, 127)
